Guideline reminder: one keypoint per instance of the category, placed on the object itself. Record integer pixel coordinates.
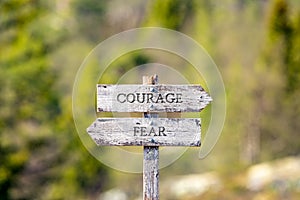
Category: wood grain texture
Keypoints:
(151, 156)
(152, 98)
(151, 173)
(146, 131)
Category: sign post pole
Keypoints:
(151, 157)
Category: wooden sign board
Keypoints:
(146, 131)
(151, 98)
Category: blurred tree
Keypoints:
(39, 156)
(27, 99)
(284, 35)
(281, 57)
(169, 14)
(261, 106)
(90, 18)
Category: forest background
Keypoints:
(255, 45)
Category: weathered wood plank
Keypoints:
(146, 131)
(151, 98)
(151, 157)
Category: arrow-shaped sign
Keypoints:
(146, 131)
(151, 98)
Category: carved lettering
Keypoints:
(152, 131)
(178, 97)
(160, 98)
(140, 97)
(143, 131)
(135, 130)
(170, 97)
(149, 131)
(130, 98)
(119, 96)
(149, 98)
(161, 130)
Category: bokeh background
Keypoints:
(255, 44)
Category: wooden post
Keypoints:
(151, 157)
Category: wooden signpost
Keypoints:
(150, 131)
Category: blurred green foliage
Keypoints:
(40, 155)
(28, 99)
(170, 13)
(89, 15)
(255, 44)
